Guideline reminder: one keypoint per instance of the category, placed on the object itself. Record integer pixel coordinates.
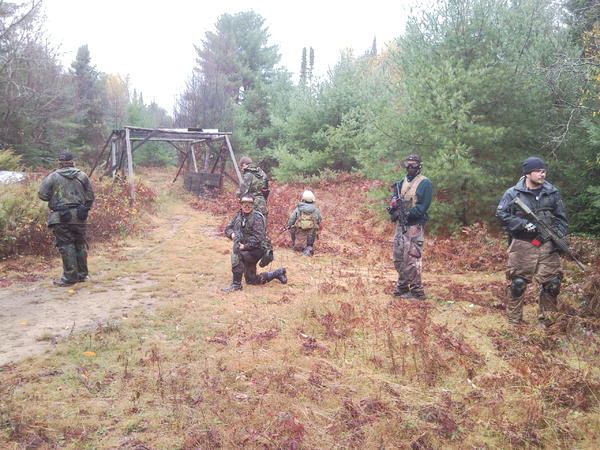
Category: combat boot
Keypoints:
(308, 251)
(417, 295)
(276, 274)
(232, 287)
(69, 277)
(236, 285)
(281, 275)
(400, 291)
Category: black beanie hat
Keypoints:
(66, 156)
(533, 163)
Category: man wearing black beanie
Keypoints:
(530, 257)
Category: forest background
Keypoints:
(473, 86)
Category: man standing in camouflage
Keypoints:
(255, 182)
(69, 194)
(247, 230)
(415, 192)
(529, 257)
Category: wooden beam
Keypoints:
(237, 169)
(130, 165)
(193, 155)
(101, 153)
(143, 141)
(180, 167)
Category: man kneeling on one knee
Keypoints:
(248, 232)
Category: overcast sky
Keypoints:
(153, 41)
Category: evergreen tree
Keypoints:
(303, 68)
(91, 130)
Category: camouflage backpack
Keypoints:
(306, 221)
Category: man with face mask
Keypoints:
(529, 256)
(415, 192)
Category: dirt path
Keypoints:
(36, 315)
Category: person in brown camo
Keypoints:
(416, 190)
(529, 257)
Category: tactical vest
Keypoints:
(409, 189)
(305, 221)
(246, 225)
(260, 182)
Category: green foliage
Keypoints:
(9, 160)
(23, 220)
(91, 127)
(23, 215)
(587, 216)
(155, 154)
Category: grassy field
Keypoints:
(330, 360)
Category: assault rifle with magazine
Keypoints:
(547, 233)
(398, 209)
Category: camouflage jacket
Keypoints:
(254, 180)
(548, 205)
(306, 208)
(250, 229)
(66, 188)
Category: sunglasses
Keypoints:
(247, 203)
(412, 166)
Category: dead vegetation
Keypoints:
(330, 360)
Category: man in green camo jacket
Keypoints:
(70, 196)
(255, 182)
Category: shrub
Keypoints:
(23, 215)
(9, 160)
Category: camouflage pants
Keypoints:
(72, 245)
(244, 263)
(303, 238)
(408, 250)
(531, 263)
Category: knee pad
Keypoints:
(552, 287)
(518, 286)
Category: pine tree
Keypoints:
(311, 65)
(303, 68)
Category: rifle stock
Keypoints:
(548, 233)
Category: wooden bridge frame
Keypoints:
(185, 140)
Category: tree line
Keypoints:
(474, 86)
(45, 108)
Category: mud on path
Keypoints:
(37, 315)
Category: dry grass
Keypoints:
(329, 360)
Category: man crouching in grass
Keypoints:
(248, 232)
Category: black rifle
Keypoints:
(547, 233)
(398, 209)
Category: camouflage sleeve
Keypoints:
(230, 228)
(45, 191)
(293, 218)
(258, 233)
(318, 215)
(89, 191)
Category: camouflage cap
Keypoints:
(413, 157)
(66, 156)
(245, 160)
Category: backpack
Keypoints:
(305, 221)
